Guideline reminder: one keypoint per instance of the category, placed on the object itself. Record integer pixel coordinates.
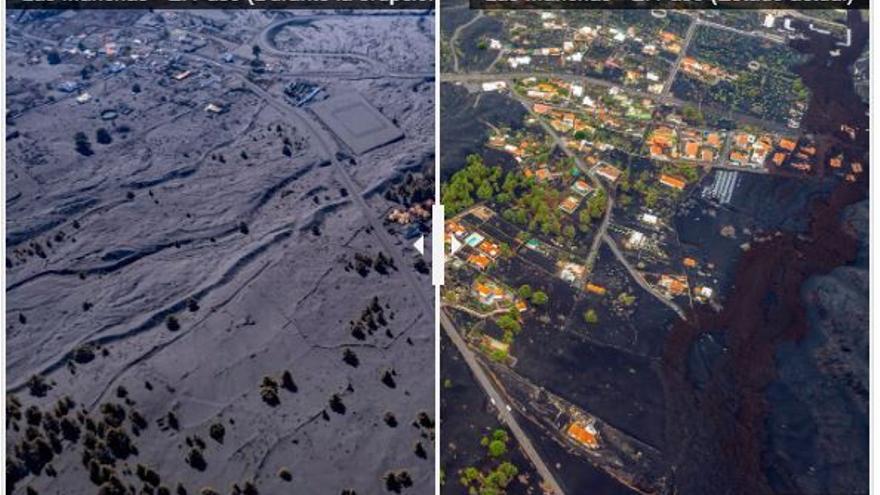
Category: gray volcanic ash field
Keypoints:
(204, 292)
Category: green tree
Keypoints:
(508, 323)
(484, 191)
(498, 355)
(591, 317)
(539, 298)
(497, 448)
(524, 291)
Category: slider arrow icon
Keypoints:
(420, 245)
(456, 245)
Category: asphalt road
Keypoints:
(504, 415)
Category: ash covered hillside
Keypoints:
(210, 284)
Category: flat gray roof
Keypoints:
(358, 123)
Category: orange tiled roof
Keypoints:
(595, 289)
(674, 182)
(778, 158)
(787, 144)
(582, 435)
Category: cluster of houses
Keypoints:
(758, 151)
(670, 143)
(520, 148)
(477, 250)
(849, 172)
(704, 71)
(579, 189)
(636, 47)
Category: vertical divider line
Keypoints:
(437, 238)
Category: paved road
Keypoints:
(329, 150)
(376, 68)
(639, 279)
(503, 414)
(327, 147)
(453, 40)
(609, 205)
(692, 29)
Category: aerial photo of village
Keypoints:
(656, 235)
(210, 274)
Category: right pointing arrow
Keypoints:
(455, 245)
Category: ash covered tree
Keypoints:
(82, 144)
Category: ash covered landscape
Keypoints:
(211, 284)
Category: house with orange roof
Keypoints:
(662, 136)
(584, 434)
(836, 162)
(656, 151)
(707, 155)
(489, 293)
(673, 182)
(542, 174)
(674, 285)
(490, 249)
(787, 144)
(479, 261)
(742, 140)
(690, 150)
(541, 109)
(456, 229)
(570, 204)
(608, 172)
(595, 289)
(668, 37)
(689, 262)
(581, 187)
(738, 157)
(713, 139)
(779, 158)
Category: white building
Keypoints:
(494, 85)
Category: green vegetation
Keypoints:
(492, 483)
(494, 478)
(534, 204)
(688, 173)
(692, 114)
(626, 299)
(496, 444)
(498, 355)
(591, 317)
(524, 291)
(539, 298)
(474, 181)
(650, 189)
(597, 203)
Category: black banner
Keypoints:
(670, 4)
(220, 4)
